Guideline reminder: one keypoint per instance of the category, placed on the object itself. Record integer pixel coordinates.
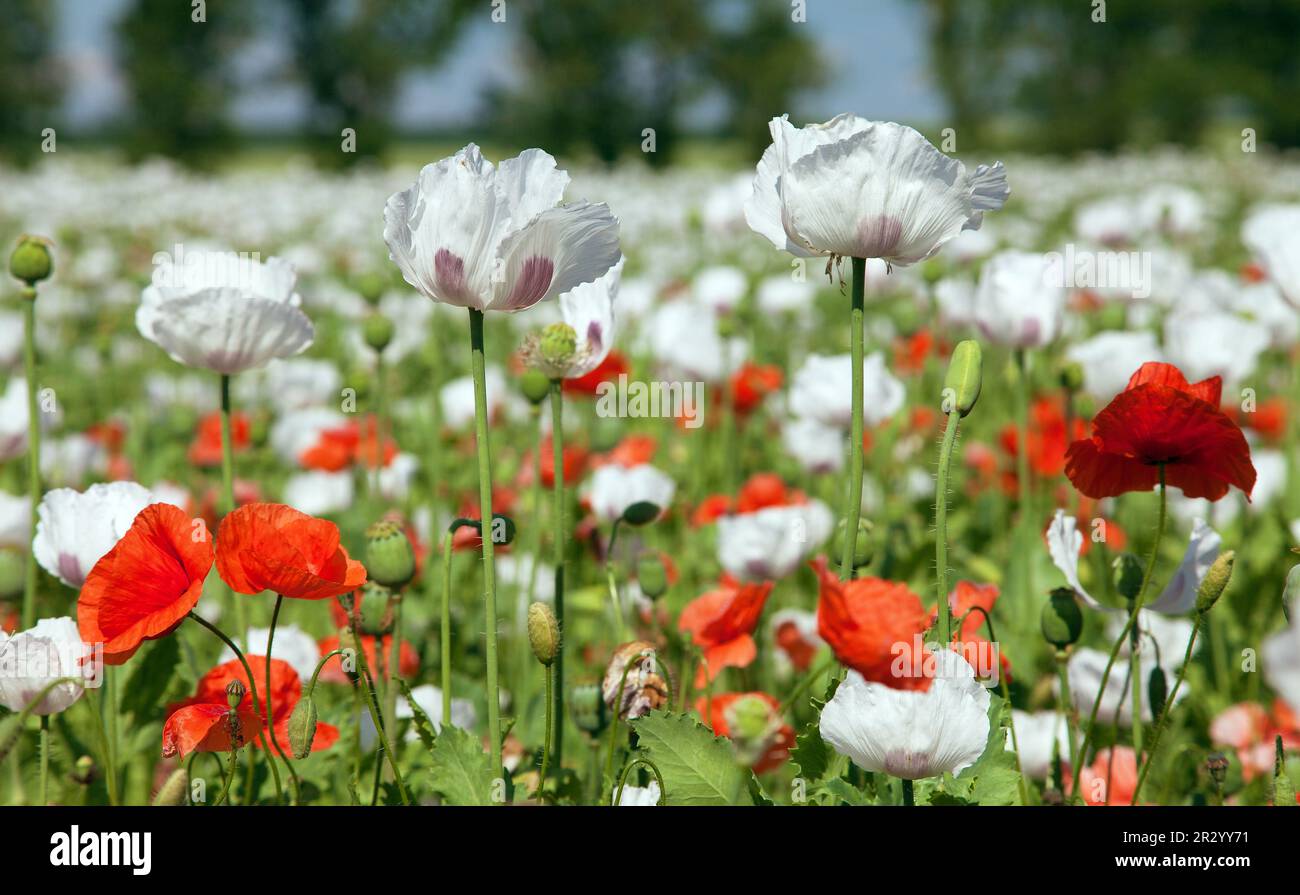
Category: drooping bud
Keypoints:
(377, 331)
(390, 559)
(1128, 576)
(535, 385)
(641, 513)
(31, 261)
(175, 791)
(961, 386)
(863, 546)
(651, 575)
(558, 344)
(1215, 581)
(1071, 376)
(375, 610)
(235, 692)
(587, 705)
(1157, 692)
(1061, 620)
(302, 727)
(543, 633)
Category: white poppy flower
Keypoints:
(772, 542)
(955, 297)
(11, 339)
(909, 733)
(1086, 668)
(1109, 358)
(15, 519)
(639, 796)
(719, 288)
(396, 478)
(224, 312)
(1272, 233)
(782, 294)
(75, 529)
(588, 309)
(683, 338)
(301, 382)
(33, 659)
(1039, 735)
(319, 493)
(1179, 595)
(13, 420)
(1169, 636)
(819, 448)
(495, 238)
(866, 189)
(1281, 655)
(614, 488)
(298, 431)
(292, 644)
(822, 390)
(429, 699)
(1214, 344)
(70, 460)
(1020, 299)
(456, 398)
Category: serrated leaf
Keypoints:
(843, 791)
(423, 726)
(698, 768)
(144, 690)
(460, 769)
(993, 779)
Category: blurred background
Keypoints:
(584, 78)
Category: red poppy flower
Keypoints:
(1161, 419)
(752, 383)
(872, 624)
(368, 451)
(466, 538)
(333, 451)
(1269, 418)
(966, 600)
(609, 370)
(710, 509)
(911, 351)
(146, 585)
(1047, 439)
(791, 640)
(720, 623)
(206, 447)
(633, 450)
(574, 461)
(714, 712)
(408, 660)
(208, 727)
(764, 490)
(1107, 781)
(268, 546)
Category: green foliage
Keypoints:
(150, 677)
(461, 770)
(698, 768)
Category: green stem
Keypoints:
(485, 508)
(909, 799)
(1162, 721)
(228, 777)
(807, 682)
(546, 746)
(619, 624)
(1023, 566)
(445, 638)
(372, 706)
(33, 450)
(1066, 705)
(941, 526)
(270, 712)
(1135, 682)
(45, 759)
(853, 500)
(631, 766)
(558, 548)
(228, 490)
(101, 733)
(1132, 622)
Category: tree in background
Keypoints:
(175, 61)
(351, 54)
(30, 81)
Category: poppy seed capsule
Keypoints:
(1061, 621)
(543, 633)
(390, 559)
(1215, 581)
(1128, 576)
(1071, 376)
(175, 790)
(377, 331)
(558, 344)
(535, 385)
(31, 261)
(302, 727)
(651, 576)
(587, 705)
(863, 549)
(375, 617)
(961, 386)
(235, 692)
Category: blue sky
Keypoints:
(875, 49)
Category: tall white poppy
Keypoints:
(75, 529)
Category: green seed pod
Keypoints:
(543, 633)
(641, 513)
(651, 575)
(1061, 620)
(31, 261)
(863, 547)
(587, 705)
(1157, 692)
(12, 574)
(1071, 376)
(535, 385)
(376, 617)
(390, 559)
(371, 287)
(1215, 581)
(175, 791)
(1128, 576)
(235, 692)
(378, 331)
(961, 386)
(302, 727)
(503, 530)
(558, 344)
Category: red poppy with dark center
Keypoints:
(267, 546)
(714, 714)
(1160, 420)
(720, 623)
(146, 585)
(873, 626)
(206, 448)
(752, 383)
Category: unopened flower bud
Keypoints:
(863, 547)
(1217, 764)
(961, 386)
(1071, 376)
(558, 344)
(375, 616)
(543, 633)
(587, 705)
(535, 385)
(371, 287)
(31, 261)
(1061, 620)
(389, 559)
(641, 513)
(302, 727)
(175, 791)
(1215, 581)
(1128, 576)
(1157, 692)
(377, 331)
(651, 576)
(235, 692)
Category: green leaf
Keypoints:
(423, 726)
(460, 769)
(698, 768)
(993, 779)
(144, 690)
(843, 792)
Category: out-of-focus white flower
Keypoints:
(1272, 233)
(772, 542)
(457, 398)
(1109, 221)
(1086, 668)
(292, 644)
(783, 294)
(613, 488)
(1263, 303)
(70, 460)
(75, 529)
(396, 478)
(683, 338)
(1039, 736)
(822, 390)
(1020, 299)
(1109, 358)
(474, 235)
(589, 310)
(429, 700)
(301, 382)
(911, 733)
(11, 339)
(1281, 655)
(13, 420)
(31, 660)
(15, 519)
(224, 312)
(298, 431)
(1169, 636)
(866, 189)
(1270, 478)
(319, 493)
(639, 796)
(1214, 344)
(819, 448)
(955, 297)
(1172, 210)
(719, 288)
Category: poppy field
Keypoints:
(862, 476)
